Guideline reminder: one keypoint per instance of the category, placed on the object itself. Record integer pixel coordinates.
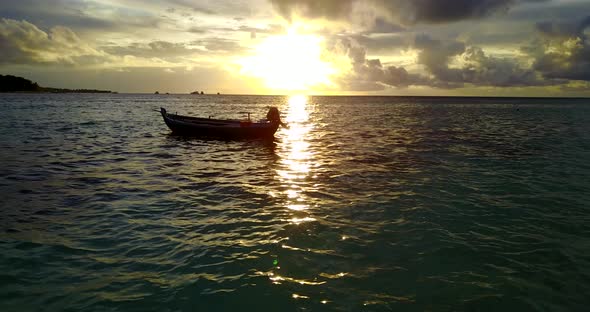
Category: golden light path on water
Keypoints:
(298, 158)
(296, 173)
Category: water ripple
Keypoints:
(363, 203)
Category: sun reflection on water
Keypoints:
(297, 174)
(297, 159)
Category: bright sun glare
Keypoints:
(290, 62)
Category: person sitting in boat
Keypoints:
(274, 115)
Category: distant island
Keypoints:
(197, 92)
(9, 83)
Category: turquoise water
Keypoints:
(363, 204)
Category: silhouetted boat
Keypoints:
(223, 128)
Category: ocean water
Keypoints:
(362, 204)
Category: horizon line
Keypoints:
(316, 95)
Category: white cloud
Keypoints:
(24, 43)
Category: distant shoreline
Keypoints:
(60, 91)
(19, 85)
(14, 84)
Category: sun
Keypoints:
(289, 62)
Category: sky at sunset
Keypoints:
(372, 47)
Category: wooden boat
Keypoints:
(223, 128)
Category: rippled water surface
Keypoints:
(362, 204)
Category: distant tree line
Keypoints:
(9, 83)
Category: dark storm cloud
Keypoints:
(545, 10)
(436, 11)
(563, 29)
(563, 51)
(405, 11)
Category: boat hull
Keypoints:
(214, 128)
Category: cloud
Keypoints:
(78, 15)
(198, 30)
(370, 74)
(175, 52)
(483, 70)
(562, 51)
(563, 29)
(436, 54)
(24, 43)
(381, 26)
(331, 9)
(475, 67)
(404, 11)
(269, 29)
(219, 45)
(382, 43)
(436, 11)
(195, 6)
(253, 30)
(447, 64)
(156, 49)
